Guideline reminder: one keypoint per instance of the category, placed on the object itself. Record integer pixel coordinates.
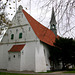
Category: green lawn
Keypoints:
(69, 72)
(4, 73)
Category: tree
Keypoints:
(4, 21)
(55, 56)
(64, 12)
(67, 47)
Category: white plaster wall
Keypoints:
(5, 38)
(29, 56)
(14, 63)
(1, 56)
(47, 55)
(40, 62)
(22, 60)
(4, 54)
(29, 37)
(19, 19)
(26, 35)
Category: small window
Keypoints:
(12, 36)
(14, 56)
(20, 35)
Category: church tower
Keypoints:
(53, 22)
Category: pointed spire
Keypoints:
(53, 20)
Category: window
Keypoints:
(20, 35)
(53, 26)
(14, 56)
(12, 36)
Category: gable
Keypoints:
(23, 26)
(19, 19)
(43, 33)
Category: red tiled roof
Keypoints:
(16, 48)
(43, 33)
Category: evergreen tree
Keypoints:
(64, 51)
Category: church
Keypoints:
(24, 46)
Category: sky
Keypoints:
(35, 10)
(41, 13)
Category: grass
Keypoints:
(69, 72)
(5, 73)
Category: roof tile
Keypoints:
(16, 48)
(43, 33)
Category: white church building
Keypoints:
(25, 44)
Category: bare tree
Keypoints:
(65, 13)
(4, 21)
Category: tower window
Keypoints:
(12, 36)
(53, 26)
(20, 35)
